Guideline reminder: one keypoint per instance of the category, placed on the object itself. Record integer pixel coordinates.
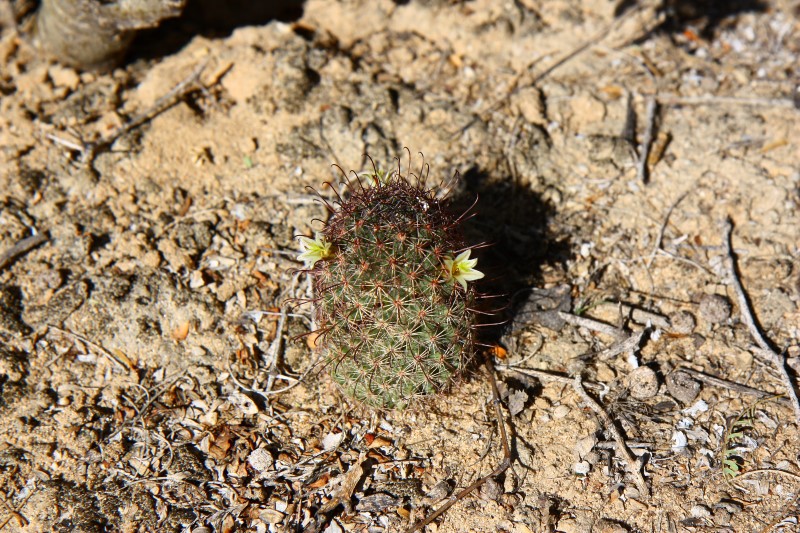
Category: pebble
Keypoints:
(682, 387)
(700, 511)
(584, 446)
(715, 308)
(581, 468)
(561, 411)
(682, 322)
(491, 490)
(643, 383)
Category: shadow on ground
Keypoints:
(513, 221)
(212, 19)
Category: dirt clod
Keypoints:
(682, 387)
(715, 308)
(642, 383)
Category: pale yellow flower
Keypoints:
(461, 269)
(313, 250)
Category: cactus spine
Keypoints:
(393, 306)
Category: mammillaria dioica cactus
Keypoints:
(393, 306)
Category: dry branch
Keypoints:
(765, 349)
(630, 461)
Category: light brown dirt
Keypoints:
(143, 354)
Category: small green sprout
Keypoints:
(313, 250)
(462, 269)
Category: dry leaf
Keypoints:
(349, 484)
(516, 401)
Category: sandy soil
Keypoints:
(150, 375)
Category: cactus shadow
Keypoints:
(514, 221)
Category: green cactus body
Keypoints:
(395, 322)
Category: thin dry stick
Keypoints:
(592, 324)
(15, 513)
(644, 148)
(668, 99)
(776, 471)
(730, 385)
(274, 348)
(627, 456)
(190, 83)
(94, 345)
(22, 247)
(624, 344)
(21, 520)
(545, 376)
(628, 345)
(516, 85)
(663, 228)
(541, 375)
(747, 316)
(502, 467)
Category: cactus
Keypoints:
(394, 309)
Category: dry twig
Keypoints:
(104, 352)
(631, 463)
(765, 349)
(502, 467)
(644, 148)
(89, 151)
(730, 385)
(21, 520)
(660, 239)
(669, 99)
(592, 325)
(271, 356)
(22, 247)
(518, 84)
(545, 376)
(627, 345)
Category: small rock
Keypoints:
(516, 402)
(260, 460)
(196, 279)
(561, 411)
(715, 308)
(729, 505)
(700, 511)
(581, 468)
(632, 492)
(594, 458)
(333, 527)
(682, 322)
(604, 373)
(439, 492)
(643, 383)
(331, 441)
(568, 525)
(64, 77)
(700, 406)
(682, 387)
(584, 446)
(491, 490)
(679, 441)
